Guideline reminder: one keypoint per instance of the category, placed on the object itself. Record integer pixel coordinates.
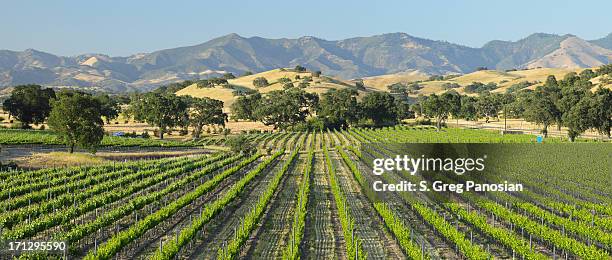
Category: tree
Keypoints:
(338, 108)
(240, 144)
(453, 101)
(288, 85)
(505, 100)
(29, 104)
(260, 82)
(551, 81)
(244, 107)
(284, 80)
(299, 68)
(109, 107)
(468, 108)
(285, 108)
(541, 109)
(587, 74)
(438, 108)
(379, 107)
(316, 74)
(247, 73)
(228, 75)
(77, 119)
(602, 111)
(579, 118)
(487, 106)
(161, 110)
(205, 111)
(359, 84)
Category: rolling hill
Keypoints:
(225, 93)
(393, 53)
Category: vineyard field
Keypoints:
(309, 195)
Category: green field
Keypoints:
(311, 197)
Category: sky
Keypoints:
(122, 28)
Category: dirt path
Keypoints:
(323, 233)
(275, 227)
(221, 228)
(376, 243)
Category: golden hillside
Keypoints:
(317, 85)
(503, 79)
(380, 83)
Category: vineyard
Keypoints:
(310, 197)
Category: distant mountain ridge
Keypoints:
(349, 58)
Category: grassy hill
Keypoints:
(225, 93)
(379, 83)
(503, 79)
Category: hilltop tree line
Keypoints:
(568, 102)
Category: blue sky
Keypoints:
(130, 26)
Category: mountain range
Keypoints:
(347, 59)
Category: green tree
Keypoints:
(286, 108)
(240, 144)
(587, 74)
(579, 118)
(551, 81)
(468, 108)
(359, 84)
(205, 111)
(338, 108)
(77, 119)
(161, 110)
(453, 103)
(299, 68)
(541, 109)
(109, 107)
(316, 74)
(29, 104)
(228, 75)
(379, 107)
(438, 108)
(244, 107)
(284, 80)
(602, 111)
(488, 106)
(260, 82)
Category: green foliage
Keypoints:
(338, 108)
(448, 85)
(519, 86)
(435, 77)
(359, 84)
(299, 68)
(76, 118)
(169, 89)
(380, 108)
(488, 106)
(284, 108)
(244, 107)
(240, 144)
(260, 82)
(161, 110)
(205, 111)
(228, 75)
(316, 74)
(478, 87)
(109, 107)
(284, 80)
(29, 104)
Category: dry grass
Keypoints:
(381, 82)
(318, 85)
(59, 159)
